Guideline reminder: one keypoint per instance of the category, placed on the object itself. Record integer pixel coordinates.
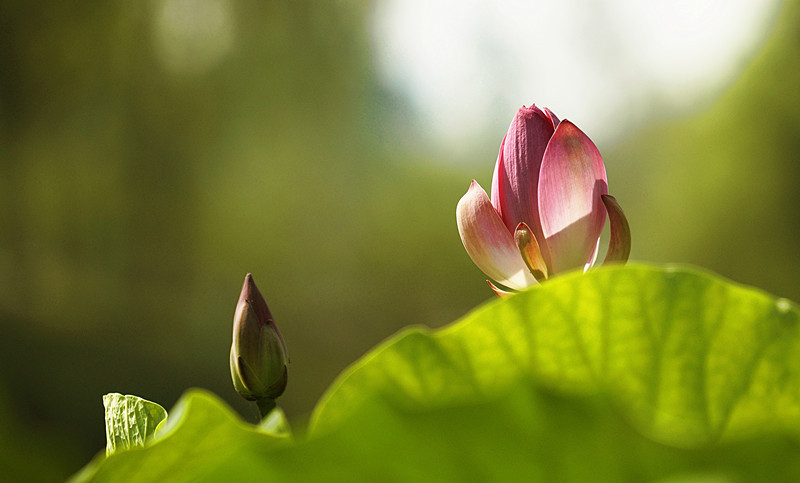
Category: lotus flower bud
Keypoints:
(258, 353)
(549, 202)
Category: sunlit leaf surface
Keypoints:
(691, 356)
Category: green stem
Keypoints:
(265, 405)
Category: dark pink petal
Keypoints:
(487, 241)
(571, 181)
(619, 246)
(516, 174)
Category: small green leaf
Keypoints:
(130, 421)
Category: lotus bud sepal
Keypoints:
(619, 244)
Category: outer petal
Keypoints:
(571, 181)
(490, 245)
(516, 174)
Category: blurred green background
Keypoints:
(152, 153)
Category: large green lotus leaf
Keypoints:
(525, 433)
(689, 356)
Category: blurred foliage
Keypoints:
(141, 177)
(135, 198)
(718, 187)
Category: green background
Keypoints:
(133, 199)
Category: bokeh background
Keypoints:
(152, 153)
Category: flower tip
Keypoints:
(552, 116)
(248, 287)
(250, 294)
(473, 186)
(528, 111)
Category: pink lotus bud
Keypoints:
(258, 353)
(548, 206)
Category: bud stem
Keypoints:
(265, 405)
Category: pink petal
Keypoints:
(619, 246)
(516, 173)
(487, 241)
(571, 181)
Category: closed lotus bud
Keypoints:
(258, 353)
(549, 202)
